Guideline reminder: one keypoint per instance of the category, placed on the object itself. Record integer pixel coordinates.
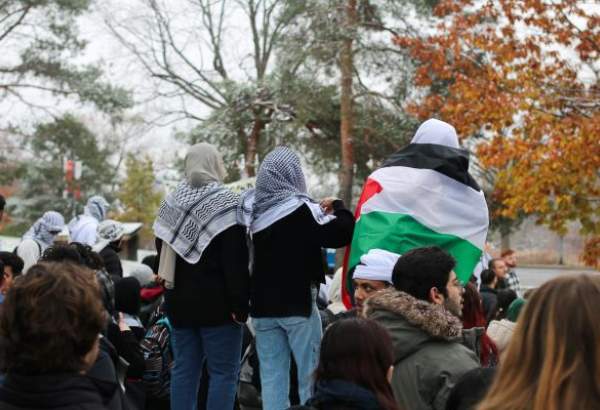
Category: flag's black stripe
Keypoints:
(452, 162)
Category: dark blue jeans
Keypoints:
(221, 347)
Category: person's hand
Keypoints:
(327, 204)
(236, 320)
(123, 327)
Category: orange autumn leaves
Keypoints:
(522, 77)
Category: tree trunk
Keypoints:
(346, 128)
(504, 239)
(252, 146)
(261, 119)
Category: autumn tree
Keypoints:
(521, 77)
(138, 195)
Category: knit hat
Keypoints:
(515, 309)
(377, 264)
(501, 331)
(143, 273)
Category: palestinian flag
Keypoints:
(423, 195)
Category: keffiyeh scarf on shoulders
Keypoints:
(198, 210)
(189, 218)
(280, 190)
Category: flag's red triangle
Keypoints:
(370, 189)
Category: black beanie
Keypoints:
(127, 296)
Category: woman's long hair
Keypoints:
(553, 359)
(358, 351)
(473, 316)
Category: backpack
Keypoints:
(158, 356)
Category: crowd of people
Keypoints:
(232, 312)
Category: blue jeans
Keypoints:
(221, 347)
(276, 338)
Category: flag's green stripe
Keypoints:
(400, 233)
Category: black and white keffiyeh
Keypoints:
(45, 229)
(280, 190)
(189, 218)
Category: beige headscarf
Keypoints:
(203, 165)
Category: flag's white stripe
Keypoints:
(435, 200)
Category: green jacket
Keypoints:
(428, 350)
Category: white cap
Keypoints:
(377, 264)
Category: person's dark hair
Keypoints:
(62, 253)
(473, 316)
(127, 296)
(150, 261)
(358, 351)
(419, 270)
(470, 389)
(493, 262)
(487, 276)
(50, 320)
(90, 258)
(2, 203)
(80, 254)
(505, 298)
(10, 259)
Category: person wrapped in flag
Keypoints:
(423, 195)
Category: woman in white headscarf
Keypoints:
(203, 260)
(39, 237)
(288, 230)
(84, 227)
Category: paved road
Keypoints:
(535, 276)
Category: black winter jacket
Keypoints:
(489, 299)
(55, 392)
(340, 395)
(207, 293)
(288, 260)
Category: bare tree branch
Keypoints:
(24, 11)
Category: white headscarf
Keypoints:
(377, 264)
(97, 207)
(45, 229)
(437, 132)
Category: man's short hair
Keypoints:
(507, 252)
(487, 276)
(421, 269)
(50, 320)
(10, 259)
(62, 253)
(492, 263)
